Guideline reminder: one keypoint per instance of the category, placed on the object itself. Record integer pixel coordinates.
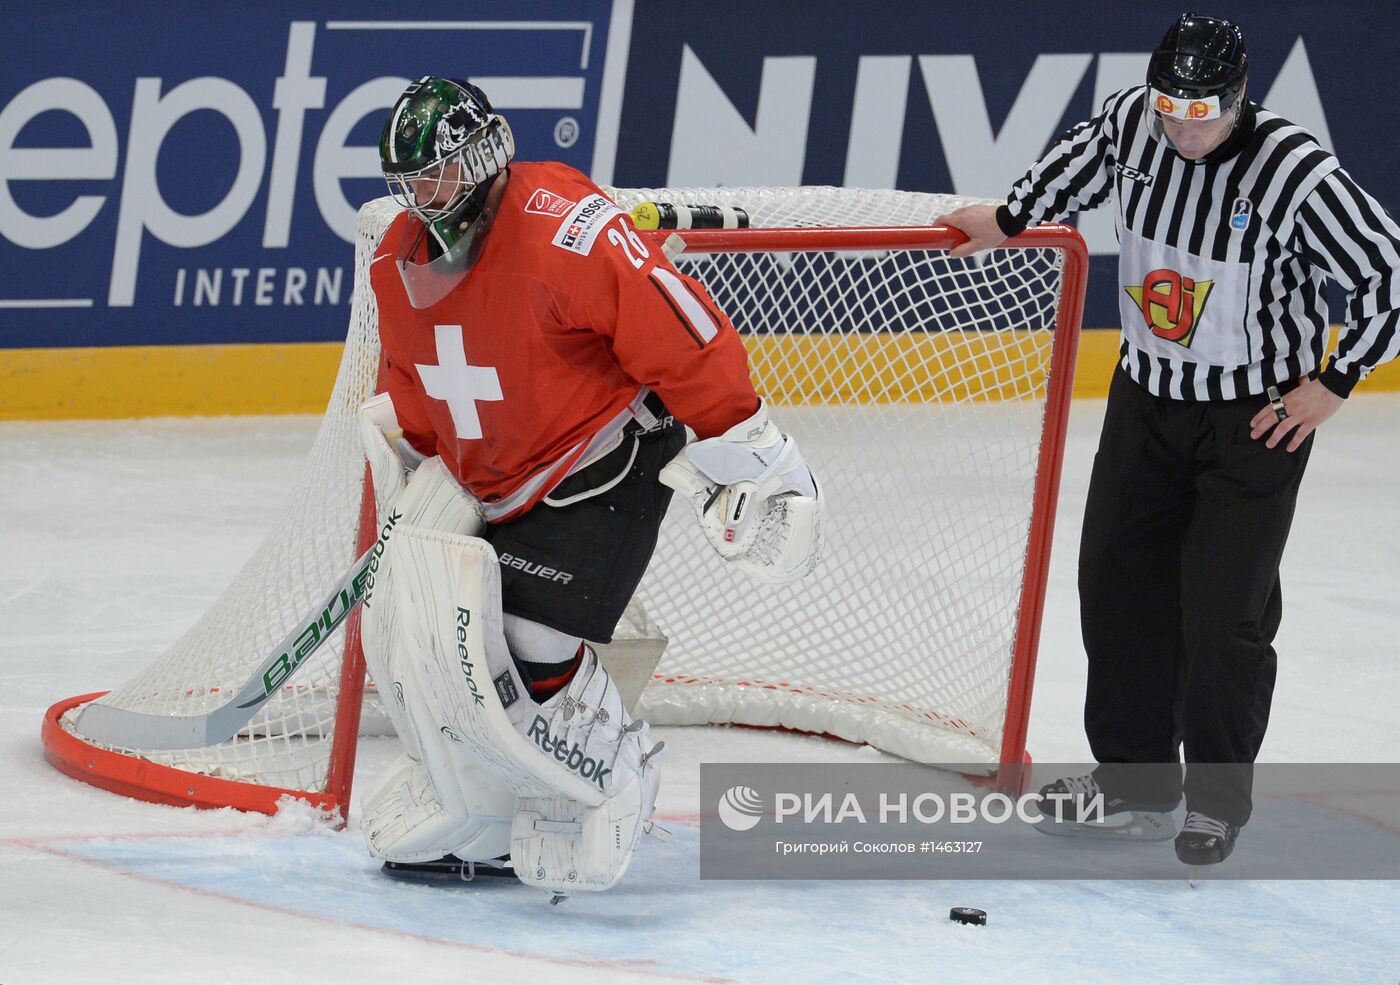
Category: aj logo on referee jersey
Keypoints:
(1171, 303)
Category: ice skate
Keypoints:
(1205, 840)
(1077, 807)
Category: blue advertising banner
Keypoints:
(953, 97)
(183, 175)
(191, 174)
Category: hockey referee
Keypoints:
(1229, 218)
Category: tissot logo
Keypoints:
(580, 230)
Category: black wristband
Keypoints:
(1338, 382)
(1009, 224)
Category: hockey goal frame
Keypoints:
(151, 781)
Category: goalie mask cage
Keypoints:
(930, 396)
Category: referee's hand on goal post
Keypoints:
(979, 224)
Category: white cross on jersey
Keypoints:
(458, 385)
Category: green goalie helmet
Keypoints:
(442, 141)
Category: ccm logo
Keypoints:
(1133, 174)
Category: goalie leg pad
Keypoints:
(379, 434)
(405, 821)
(425, 805)
(584, 775)
(432, 497)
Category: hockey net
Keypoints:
(930, 397)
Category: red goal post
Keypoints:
(1057, 393)
(845, 306)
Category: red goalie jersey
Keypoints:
(537, 359)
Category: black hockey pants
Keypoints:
(1179, 592)
(573, 562)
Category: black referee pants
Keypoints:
(1179, 593)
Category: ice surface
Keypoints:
(116, 535)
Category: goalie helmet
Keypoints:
(441, 142)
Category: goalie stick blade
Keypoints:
(125, 729)
(449, 870)
(135, 730)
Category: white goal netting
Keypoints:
(917, 388)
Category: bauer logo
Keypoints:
(154, 196)
(741, 808)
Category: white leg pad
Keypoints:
(404, 821)
(584, 775)
(564, 846)
(425, 805)
(431, 497)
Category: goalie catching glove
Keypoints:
(757, 501)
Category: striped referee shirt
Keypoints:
(1222, 260)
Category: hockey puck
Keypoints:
(968, 914)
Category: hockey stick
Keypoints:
(137, 730)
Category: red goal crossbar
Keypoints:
(137, 777)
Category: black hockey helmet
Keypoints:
(1200, 61)
(435, 123)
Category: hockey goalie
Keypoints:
(541, 364)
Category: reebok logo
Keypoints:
(505, 689)
(464, 618)
(379, 547)
(571, 756)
